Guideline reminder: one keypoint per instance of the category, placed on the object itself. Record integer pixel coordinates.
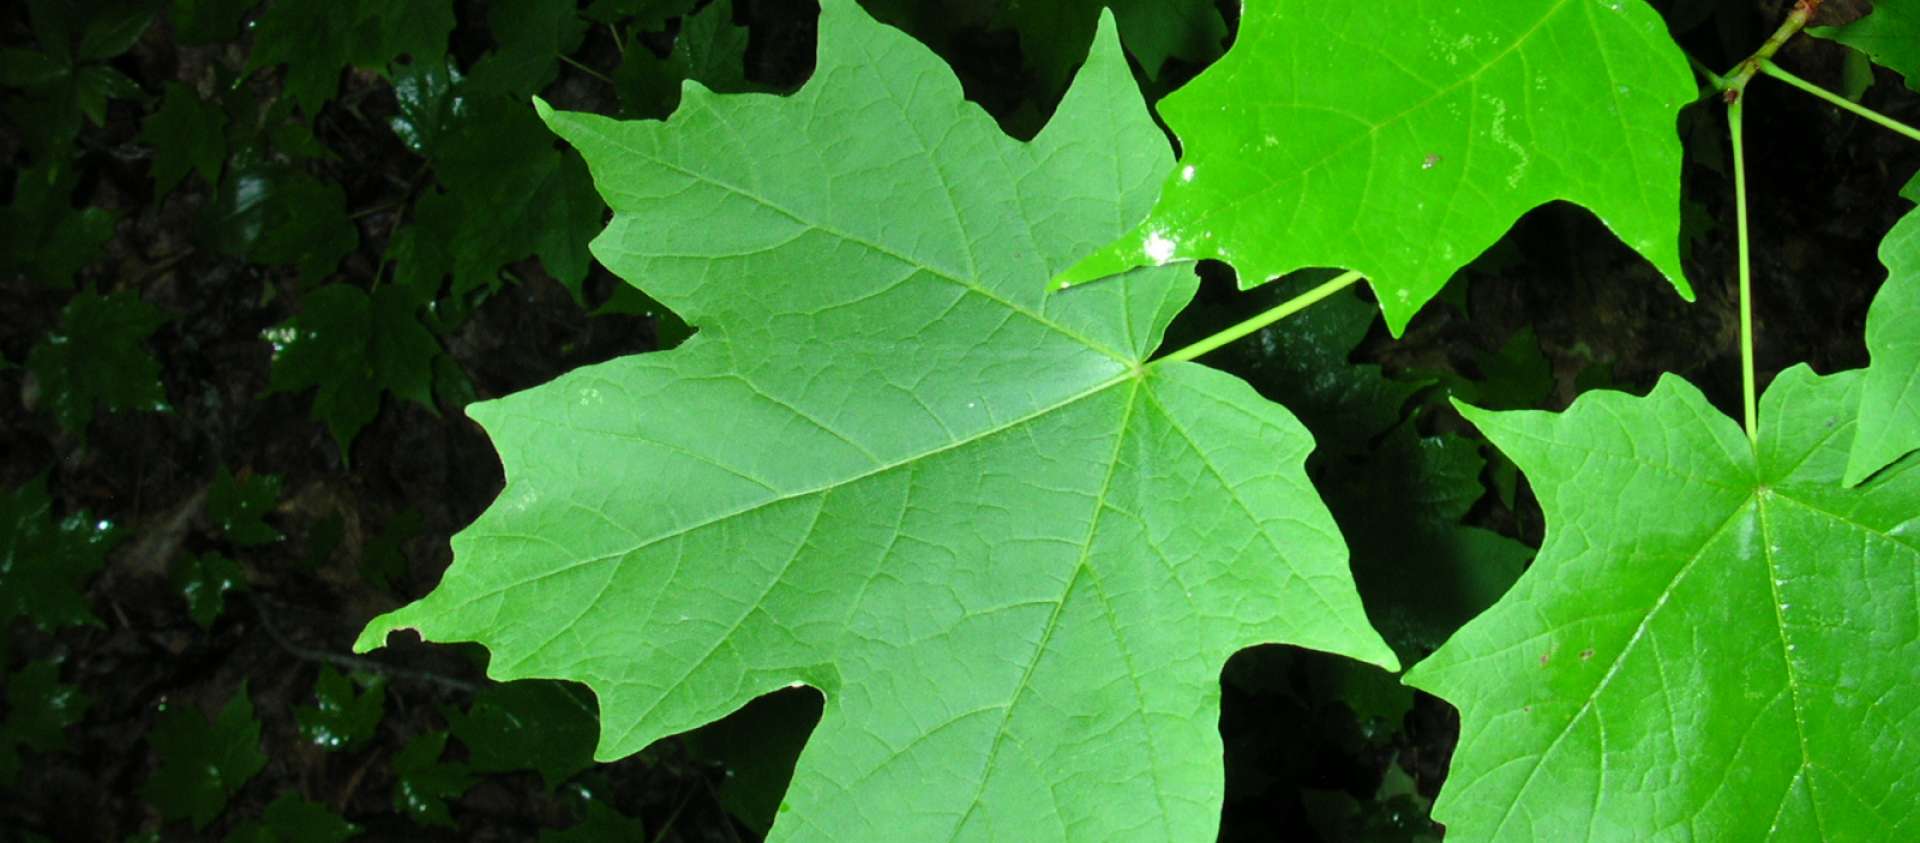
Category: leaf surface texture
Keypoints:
(1012, 556)
(1717, 640)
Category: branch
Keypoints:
(1736, 79)
(264, 610)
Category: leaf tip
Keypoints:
(1415, 676)
(1382, 656)
(374, 636)
(1109, 27)
(1110, 260)
(1682, 286)
(1864, 464)
(1396, 322)
(1473, 414)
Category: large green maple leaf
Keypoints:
(1890, 399)
(1011, 552)
(1403, 146)
(1717, 641)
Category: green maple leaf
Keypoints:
(710, 49)
(350, 348)
(1011, 553)
(187, 134)
(1890, 399)
(1157, 31)
(532, 36)
(715, 49)
(276, 214)
(41, 232)
(292, 819)
(1423, 571)
(201, 22)
(1517, 377)
(646, 14)
(506, 193)
(204, 580)
(1717, 639)
(423, 783)
(342, 715)
(98, 357)
(429, 104)
(1890, 35)
(1403, 147)
(239, 507)
(202, 764)
(1303, 363)
(385, 556)
(601, 824)
(45, 563)
(66, 75)
(538, 726)
(40, 710)
(315, 40)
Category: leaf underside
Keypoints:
(1717, 640)
(1012, 555)
(1325, 138)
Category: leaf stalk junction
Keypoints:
(1732, 87)
(1735, 82)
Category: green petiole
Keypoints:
(1769, 68)
(1748, 386)
(1262, 320)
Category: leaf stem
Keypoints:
(1736, 80)
(1748, 387)
(1777, 72)
(1270, 316)
(1719, 82)
(588, 70)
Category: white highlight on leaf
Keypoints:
(1158, 248)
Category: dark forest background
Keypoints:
(256, 256)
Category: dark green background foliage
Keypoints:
(257, 255)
